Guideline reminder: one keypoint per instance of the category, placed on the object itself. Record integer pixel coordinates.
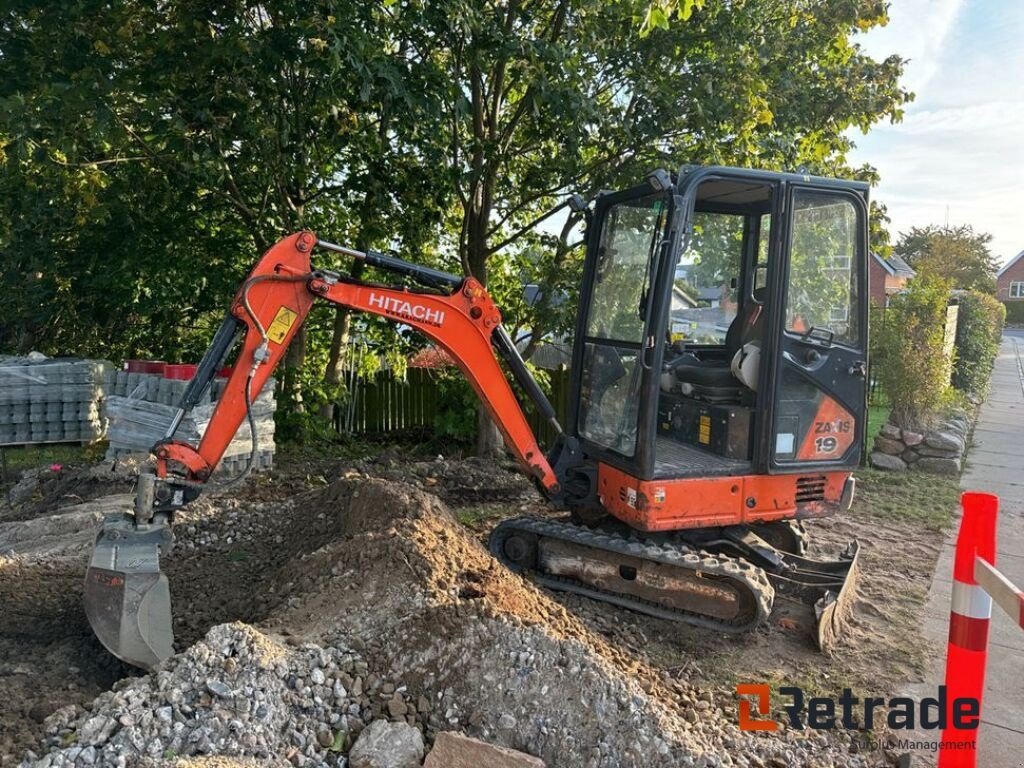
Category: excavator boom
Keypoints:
(127, 599)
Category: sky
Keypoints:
(958, 154)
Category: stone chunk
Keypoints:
(387, 745)
(927, 450)
(885, 445)
(946, 441)
(939, 466)
(912, 438)
(881, 460)
(910, 456)
(96, 730)
(891, 431)
(453, 750)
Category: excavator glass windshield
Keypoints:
(631, 234)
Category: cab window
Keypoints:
(705, 295)
(823, 279)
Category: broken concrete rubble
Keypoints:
(387, 745)
(453, 750)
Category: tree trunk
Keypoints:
(489, 441)
(339, 345)
(295, 359)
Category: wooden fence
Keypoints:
(384, 403)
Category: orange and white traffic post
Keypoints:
(969, 619)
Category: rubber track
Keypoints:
(678, 555)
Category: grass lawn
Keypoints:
(914, 497)
(878, 412)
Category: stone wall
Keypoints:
(939, 450)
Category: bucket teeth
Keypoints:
(127, 598)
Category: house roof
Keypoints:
(712, 293)
(431, 357)
(895, 266)
(1010, 263)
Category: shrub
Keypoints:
(978, 332)
(911, 364)
(1014, 312)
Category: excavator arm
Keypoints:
(127, 598)
(273, 303)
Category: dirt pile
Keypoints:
(385, 607)
(41, 491)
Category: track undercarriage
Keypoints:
(725, 580)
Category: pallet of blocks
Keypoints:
(144, 404)
(51, 400)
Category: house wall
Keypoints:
(1015, 274)
(876, 282)
(881, 284)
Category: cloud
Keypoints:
(917, 30)
(959, 152)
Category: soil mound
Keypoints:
(384, 607)
(40, 491)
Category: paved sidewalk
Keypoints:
(995, 464)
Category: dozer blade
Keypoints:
(127, 598)
(833, 608)
(827, 586)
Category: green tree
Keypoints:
(547, 98)
(958, 254)
(181, 138)
(228, 127)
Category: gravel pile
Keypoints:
(373, 605)
(236, 693)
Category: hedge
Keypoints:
(1014, 312)
(978, 331)
(909, 351)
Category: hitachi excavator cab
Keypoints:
(721, 345)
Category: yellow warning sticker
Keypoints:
(705, 430)
(283, 322)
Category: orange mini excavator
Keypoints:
(718, 399)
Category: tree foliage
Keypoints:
(149, 152)
(979, 330)
(955, 253)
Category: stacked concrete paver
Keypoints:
(51, 400)
(144, 405)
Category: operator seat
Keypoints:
(713, 376)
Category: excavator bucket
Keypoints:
(127, 598)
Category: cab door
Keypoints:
(614, 349)
(818, 399)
